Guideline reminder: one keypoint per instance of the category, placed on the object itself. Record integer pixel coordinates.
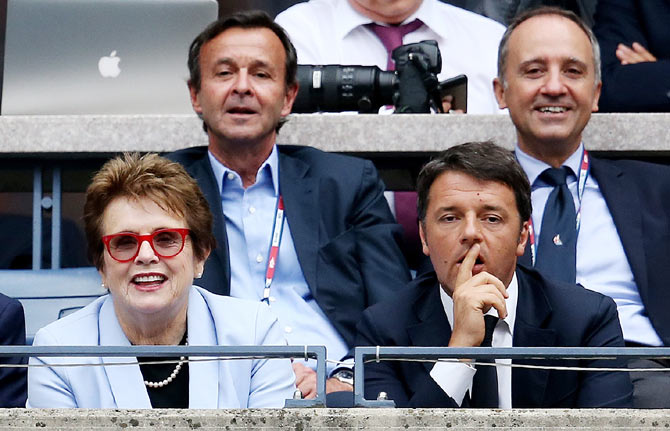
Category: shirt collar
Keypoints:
(269, 167)
(350, 18)
(534, 167)
(512, 291)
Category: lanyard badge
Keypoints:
(277, 230)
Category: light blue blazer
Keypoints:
(212, 320)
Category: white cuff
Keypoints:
(455, 378)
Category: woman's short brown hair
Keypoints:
(153, 177)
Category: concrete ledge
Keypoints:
(332, 419)
(22, 135)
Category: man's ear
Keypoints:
(499, 90)
(422, 235)
(291, 93)
(194, 99)
(596, 97)
(523, 239)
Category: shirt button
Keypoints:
(252, 210)
(272, 299)
(231, 176)
(288, 329)
(259, 258)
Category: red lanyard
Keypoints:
(277, 230)
(583, 175)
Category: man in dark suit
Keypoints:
(474, 206)
(12, 333)
(334, 248)
(549, 79)
(635, 44)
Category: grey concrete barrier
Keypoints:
(332, 419)
(331, 132)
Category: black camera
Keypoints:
(411, 88)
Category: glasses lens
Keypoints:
(167, 243)
(123, 247)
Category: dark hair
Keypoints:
(484, 161)
(244, 19)
(153, 177)
(503, 48)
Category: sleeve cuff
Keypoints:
(455, 378)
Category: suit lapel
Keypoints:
(203, 385)
(431, 327)
(300, 194)
(125, 381)
(532, 311)
(626, 215)
(202, 171)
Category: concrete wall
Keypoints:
(339, 132)
(333, 419)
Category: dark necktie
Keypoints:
(485, 382)
(391, 37)
(556, 252)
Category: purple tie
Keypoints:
(391, 37)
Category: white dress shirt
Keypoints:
(455, 378)
(602, 265)
(332, 32)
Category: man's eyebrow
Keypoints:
(494, 208)
(536, 60)
(578, 62)
(254, 63)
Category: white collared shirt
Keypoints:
(332, 32)
(455, 378)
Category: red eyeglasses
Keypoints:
(124, 247)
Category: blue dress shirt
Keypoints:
(602, 265)
(249, 215)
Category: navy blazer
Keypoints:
(642, 87)
(345, 236)
(638, 197)
(548, 314)
(12, 332)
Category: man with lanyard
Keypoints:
(600, 223)
(307, 232)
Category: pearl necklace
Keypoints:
(171, 377)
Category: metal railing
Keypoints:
(366, 354)
(216, 352)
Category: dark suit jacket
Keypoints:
(638, 197)
(345, 236)
(642, 87)
(12, 332)
(548, 314)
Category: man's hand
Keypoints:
(473, 297)
(633, 54)
(305, 380)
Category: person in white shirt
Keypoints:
(474, 207)
(339, 32)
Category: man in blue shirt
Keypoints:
(549, 79)
(308, 232)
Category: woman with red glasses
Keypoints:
(149, 232)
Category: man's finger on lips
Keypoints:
(465, 270)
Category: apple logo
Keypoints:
(109, 66)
